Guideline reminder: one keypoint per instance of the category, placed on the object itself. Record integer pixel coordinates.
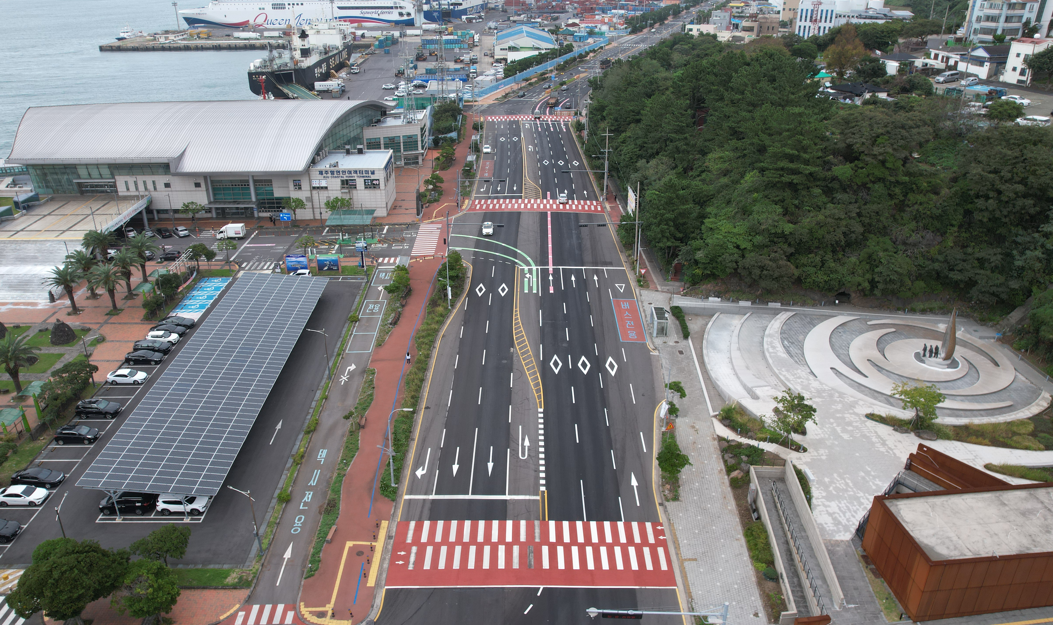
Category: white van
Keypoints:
(948, 77)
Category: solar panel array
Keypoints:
(184, 435)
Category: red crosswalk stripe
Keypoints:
(523, 118)
(572, 206)
(607, 554)
(266, 614)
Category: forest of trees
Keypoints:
(752, 181)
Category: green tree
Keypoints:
(199, 251)
(67, 277)
(140, 244)
(168, 285)
(869, 69)
(305, 242)
(433, 181)
(149, 589)
(293, 204)
(399, 286)
(167, 541)
(922, 399)
(64, 386)
(226, 245)
(152, 304)
(106, 277)
(1005, 110)
(83, 261)
(1041, 63)
(192, 209)
(15, 354)
(845, 52)
(125, 260)
(65, 577)
(792, 413)
(338, 203)
(805, 50)
(671, 460)
(97, 243)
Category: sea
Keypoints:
(51, 56)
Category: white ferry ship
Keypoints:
(240, 14)
(452, 10)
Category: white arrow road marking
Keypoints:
(634, 484)
(490, 465)
(524, 442)
(621, 287)
(456, 457)
(285, 560)
(573, 281)
(345, 377)
(278, 427)
(421, 471)
(596, 279)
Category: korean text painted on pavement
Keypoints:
(628, 315)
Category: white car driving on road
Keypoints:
(1021, 100)
(486, 149)
(488, 228)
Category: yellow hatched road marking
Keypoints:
(523, 348)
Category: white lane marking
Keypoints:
(613, 463)
(576, 434)
(643, 443)
(605, 419)
(633, 393)
(584, 514)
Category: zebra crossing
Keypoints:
(527, 118)
(262, 265)
(388, 261)
(516, 204)
(427, 240)
(7, 615)
(267, 614)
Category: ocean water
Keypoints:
(51, 56)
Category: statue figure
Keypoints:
(937, 351)
(948, 336)
(924, 350)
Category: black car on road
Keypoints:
(186, 322)
(154, 346)
(80, 434)
(8, 531)
(89, 408)
(128, 503)
(163, 232)
(171, 327)
(39, 476)
(144, 357)
(170, 255)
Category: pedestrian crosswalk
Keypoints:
(260, 265)
(8, 616)
(388, 261)
(572, 206)
(267, 614)
(608, 554)
(427, 240)
(523, 118)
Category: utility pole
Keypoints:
(175, 7)
(639, 223)
(606, 152)
(449, 292)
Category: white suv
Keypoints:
(195, 505)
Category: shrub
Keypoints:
(1045, 440)
(758, 545)
(806, 486)
(677, 387)
(670, 459)
(1024, 442)
(770, 574)
(678, 312)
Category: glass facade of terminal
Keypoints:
(75, 179)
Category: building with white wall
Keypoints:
(520, 42)
(987, 19)
(1015, 72)
(834, 13)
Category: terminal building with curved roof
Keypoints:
(236, 158)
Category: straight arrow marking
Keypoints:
(490, 465)
(285, 560)
(279, 426)
(456, 457)
(634, 484)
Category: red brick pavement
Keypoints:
(202, 606)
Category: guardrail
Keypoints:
(816, 594)
(533, 71)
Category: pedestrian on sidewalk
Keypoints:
(407, 358)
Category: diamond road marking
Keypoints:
(584, 365)
(560, 162)
(544, 162)
(502, 139)
(575, 163)
(514, 139)
(502, 289)
(556, 364)
(612, 366)
(479, 290)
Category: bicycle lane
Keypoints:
(342, 591)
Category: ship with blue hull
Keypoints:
(446, 11)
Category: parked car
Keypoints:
(144, 357)
(130, 232)
(970, 81)
(162, 335)
(23, 495)
(128, 503)
(301, 272)
(170, 255)
(164, 233)
(150, 233)
(186, 322)
(78, 434)
(1021, 100)
(194, 505)
(167, 327)
(38, 476)
(154, 346)
(1033, 120)
(126, 376)
(88, 408)
(488, 228)
(388, 86)
(8, 531)
(181, 232)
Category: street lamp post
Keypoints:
(58, 517)
(325, 343)
(391, 447)
(88, 359)
(252, 509)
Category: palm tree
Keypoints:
(15, 354)
(67, 277)
(125, 260)
(106, 277)
(141, 244)
(96, 242)
(83, 261)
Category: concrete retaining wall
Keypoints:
(790, 614)
(812, 530)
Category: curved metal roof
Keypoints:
(193, 137)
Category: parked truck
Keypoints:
(328, 85)
(231, 231)
(246, 35)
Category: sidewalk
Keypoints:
(196, 606)
(344, 585)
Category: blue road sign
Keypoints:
(284, 216)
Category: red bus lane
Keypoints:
(627, 313)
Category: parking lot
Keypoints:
(263, 459)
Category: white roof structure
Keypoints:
(192, 137)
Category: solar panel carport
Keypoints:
(184, 435)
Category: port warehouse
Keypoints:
(237, 158)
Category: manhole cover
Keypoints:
(358, 553)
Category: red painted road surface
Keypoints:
(487, 170)
(606, 554)
(267, 614)
(572, 206)
(628, 315)
(524, 118)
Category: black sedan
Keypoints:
(81, 434)
(154, 346)
(186, 322)
(169, 255)
(169, 327)
(8, 531)
(89, 408)
(144, 357)
(163, 232)
(39, 476)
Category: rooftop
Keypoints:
(973, 525)
(369, 159)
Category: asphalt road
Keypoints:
(223, 536)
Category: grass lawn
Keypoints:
(1036, 474)
(46, 362)
(216, 273)
(213, 578)
(43, 339)
(884, 597)
(22, 457)
(18, 331)
(8, 385)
